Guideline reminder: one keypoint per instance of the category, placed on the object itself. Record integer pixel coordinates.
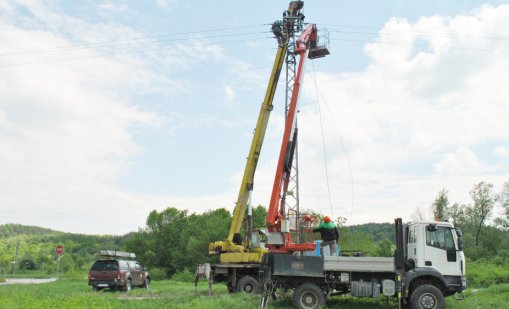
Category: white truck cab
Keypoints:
(440, 247)
(436, 246)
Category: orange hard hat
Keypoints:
(326, 219)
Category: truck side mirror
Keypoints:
(459, 234)
(432, 227)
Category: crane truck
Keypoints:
(428, 265)
(240, 257)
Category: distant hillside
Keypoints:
(7, 230)
(378, 231)
(37, 247)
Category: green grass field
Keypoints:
(168, 294)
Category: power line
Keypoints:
(323, 140)
(128, 40)
(340, 140)
(421, 45)
(124, 52)
(411, 32)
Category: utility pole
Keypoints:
(58, 265)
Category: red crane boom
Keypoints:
(277, 218)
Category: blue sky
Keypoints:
(120, 107)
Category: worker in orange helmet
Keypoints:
(329, 234)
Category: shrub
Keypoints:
(485, 273)
(73, 275)
(157, 273)
(183, 276)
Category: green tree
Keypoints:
(457, 212)
(503, 200)
(67, 263)
(480, 212)
(358, 241)
(385, 248)
(259, 215)
(27, 262)
(166, 227)
(174, 240)
(440, 205)
(203, 229)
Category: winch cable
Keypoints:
(322, 131)
(318, 96)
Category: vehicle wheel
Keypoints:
(308, 296)
(427, 297)
(128, 285)
(248, 285)
(146, 283)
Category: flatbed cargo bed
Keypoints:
(358, 264)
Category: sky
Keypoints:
(112, 109)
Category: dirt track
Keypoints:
(27, 281)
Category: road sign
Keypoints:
(59, 249)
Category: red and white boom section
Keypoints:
(278, 223)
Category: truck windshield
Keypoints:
(440, 238)
(105, 265)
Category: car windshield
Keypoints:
(105, 265)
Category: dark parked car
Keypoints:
(113, 270)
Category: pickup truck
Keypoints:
(115, 270)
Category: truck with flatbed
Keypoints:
(428, 265)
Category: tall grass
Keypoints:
(173, 294)
(484, 273)
(72, 291)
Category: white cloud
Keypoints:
(166, 3)
(65, 129)
(229, 94)
(501, 151)
(409, 105)
(461, 162)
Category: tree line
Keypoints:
(174, 241)
(485, 232)
(36, 249)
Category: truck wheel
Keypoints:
(427, 297)
(128, 285)
(248, 285)
(308, 296)
(146, 283)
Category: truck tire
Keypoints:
(146, 283)
(128, 285)
(308, 296)
(427, 297)
(248, 285)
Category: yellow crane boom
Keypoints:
(233, 249)
(233, 243)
